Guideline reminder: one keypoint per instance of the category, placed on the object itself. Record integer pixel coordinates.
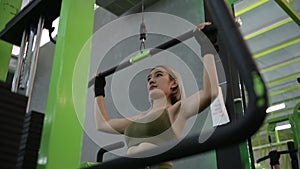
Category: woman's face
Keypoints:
(159, 82)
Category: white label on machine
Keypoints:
(218, 110)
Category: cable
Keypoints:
(143, 30)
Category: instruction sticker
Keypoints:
(218, 110)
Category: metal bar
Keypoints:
(27, 59)
(251, 7)
(145, 54)
(268, 28)
(280, 65)
(226, 135)
(172, 42)
(15, 82)
(283, 79)
(292, 12)
(121, 66)
(297, 87)
(34, 58)
(152, 52)
(269, 145)
(275, 120)
(276, 48)
(288, 100)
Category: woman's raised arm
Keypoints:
(203, 98)
(103, 121)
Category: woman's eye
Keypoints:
(158, 74)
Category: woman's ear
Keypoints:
(174, 85)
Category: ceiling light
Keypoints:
(282, 127)
(276, 107)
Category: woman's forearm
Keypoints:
(104, 123)
(101, 116)
(210, 78)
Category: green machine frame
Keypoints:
(9, 8)
(294, 120)
(295, 125)
(62, 132)
(271, 125)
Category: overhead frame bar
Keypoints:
(276, 48)
(146, 53)
(229, 134)
(297, 87)
(287, 7)
(277, 66)
(288, 100)
(268, 28)
(251, 7)
(283, 79)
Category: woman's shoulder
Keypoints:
(174, 110)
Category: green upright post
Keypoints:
(62, 133)
(277, 136)
(294, 120)
(246, 155)
(295, 125)
(245, 148)
(8, 9)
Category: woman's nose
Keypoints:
(151, 81)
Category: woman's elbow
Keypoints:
(106, 128)
(212, 95)
(99, 127)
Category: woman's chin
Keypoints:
(156, 94)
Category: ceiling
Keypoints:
(274, 40)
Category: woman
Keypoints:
(169, 110)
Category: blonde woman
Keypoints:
(169, 110)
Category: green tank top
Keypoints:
(157, 131)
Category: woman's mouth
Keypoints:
(152, 87)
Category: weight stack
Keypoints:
(30, 140)
(12, 115)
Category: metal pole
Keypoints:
(269, 145)
(27, 59)
(16, 79)
(34, 58)
(147, 53)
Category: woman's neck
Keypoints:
(160, 103)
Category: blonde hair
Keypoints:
(178, 92)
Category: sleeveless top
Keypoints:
(155, 130)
